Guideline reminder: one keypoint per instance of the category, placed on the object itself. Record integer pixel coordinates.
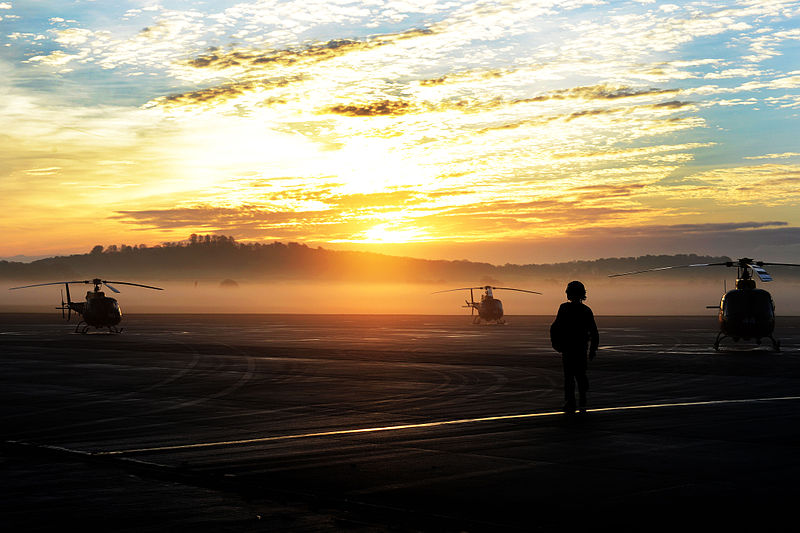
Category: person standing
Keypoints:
(574, 334)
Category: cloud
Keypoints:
(210, 217)
(610, 190)
(784, 155)
(57, 58)
(711, 228)
(605, 92)
(222, 60)
(214, 95)
(250, 222)
(650, 153)
(734, 73)
(384, 107)
(788, 101)
(764, 47)
(73, 36)
(439, 120)
(231, 91)
(762, 185)
(788, 82)
(767, 241)
(441, 214)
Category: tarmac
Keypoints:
(392, 423)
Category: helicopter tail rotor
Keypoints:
(65, 306)
(471, 306)
(69, 303)
(471, 302)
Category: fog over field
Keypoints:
(219, 275)
(617, 296)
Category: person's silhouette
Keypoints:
(573, 333)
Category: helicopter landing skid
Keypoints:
(498, 322)
(85, 329)
(720, 336)
(776, 344)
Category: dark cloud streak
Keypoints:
(381, 108)
(220, 60)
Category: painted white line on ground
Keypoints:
(433, 424)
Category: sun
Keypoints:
(385, 233)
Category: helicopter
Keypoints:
(98, 311)
(489, 308)
(744, 312)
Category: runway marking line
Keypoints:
(431, 424)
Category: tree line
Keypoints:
(219, 256)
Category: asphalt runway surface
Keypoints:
(392, 423)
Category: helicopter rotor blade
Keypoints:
(43, 284)
(110, 287)
(461, 289)
(762, 274)
(132, 284)
(670, 267)
(762, 263)
(512, 289)
(755, 266)
(88, 282)
(484, 287)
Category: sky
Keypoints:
(499, 131)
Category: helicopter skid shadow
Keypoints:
(755, 350)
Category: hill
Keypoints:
(218, 257)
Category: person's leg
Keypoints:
(583, 383)
(569, 384)
(583, 388)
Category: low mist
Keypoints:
(619, 296)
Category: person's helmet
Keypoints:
(576, 290)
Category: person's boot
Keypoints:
(582, 404)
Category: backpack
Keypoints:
(557, 336)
